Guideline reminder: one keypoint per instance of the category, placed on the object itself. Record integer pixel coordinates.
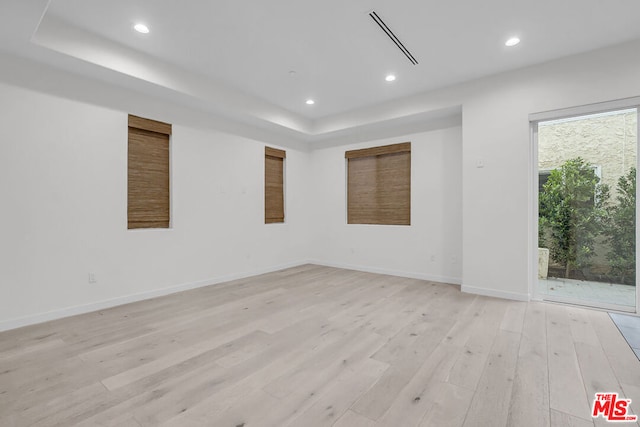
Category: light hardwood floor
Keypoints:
(317, 346)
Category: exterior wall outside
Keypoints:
(605, 140)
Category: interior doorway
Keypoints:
(586, 166)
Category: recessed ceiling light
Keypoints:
(310, 102)
(390, 78)
(512, 41)
(141, 28)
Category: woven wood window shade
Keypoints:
(273, 185)
(148, 174)
(379, 185)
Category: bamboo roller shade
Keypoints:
(404, 147)
(273, 152)
(379, 185)
(273, 185)
(150, 125)
(148, 174)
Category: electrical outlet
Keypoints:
(92, 278)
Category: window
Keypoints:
(543, 177)
(148, 174)
(273, 185)
(379, 185)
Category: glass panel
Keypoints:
(587, 208)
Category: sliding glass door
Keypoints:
(587, 167)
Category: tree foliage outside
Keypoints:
(621, 230)
(572, 213)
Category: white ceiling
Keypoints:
(234, 57)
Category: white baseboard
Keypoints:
(19, 322)
(494, 293)
(408, 274)
(101, 305)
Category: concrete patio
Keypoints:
(609, 293)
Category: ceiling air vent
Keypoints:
(393, 37)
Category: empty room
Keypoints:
(292, 213)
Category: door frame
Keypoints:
(534, 119)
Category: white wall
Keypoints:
(63, 193)
(430, 248)
(63, 183)
(498, 234)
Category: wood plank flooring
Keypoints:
(317, 346)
